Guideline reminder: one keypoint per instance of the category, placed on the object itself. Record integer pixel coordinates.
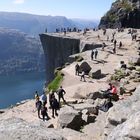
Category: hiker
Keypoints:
(36, 96)
(38, 106)
(44, 112)
(83, 76)
(92, 55)
(103, 46)
(96, 53)
(114, 49)
(107, 38)
(123, 65)
(60, 94)
(104, 31)
(115, 43)
(54, 106)
(77, 67)
(120, 44)
(51, 94)
(43, 98)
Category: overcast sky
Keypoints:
(84, 9)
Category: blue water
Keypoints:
(16, 88)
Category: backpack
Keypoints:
(38, 105)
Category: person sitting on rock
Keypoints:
(83, 76)
(44, 112)
(111, 92)
(77, 67)
(38, 106)
(60, 94)
(54, 106)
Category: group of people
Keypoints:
(41, 103)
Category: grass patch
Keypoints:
(119, 74)
(54, 85)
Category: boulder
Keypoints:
(96, 74)
(94, 95)
(122, 110)
(135, 60)
(85, 67)
(70, 118)
(128, 130)
(15, 129)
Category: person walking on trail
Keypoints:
(77, 67)
(44, 112)
(92, 55)
(43, 98)
(54, 106)
(83, 76)
(61, 92)
(38, 106)
(96, 53)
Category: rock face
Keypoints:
(70, 118)
(123, 13)
(124, 117)
(57, 50)
(15, 129)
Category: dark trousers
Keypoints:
(54, 110)
(59, 98)
(45, 115)
(38, 112)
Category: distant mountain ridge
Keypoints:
(35, 24)
(19, 53)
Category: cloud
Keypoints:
(18, 1)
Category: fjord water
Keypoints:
(16, 88)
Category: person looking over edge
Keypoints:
(60, 94)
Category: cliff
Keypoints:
(57, 50)
(123, 13)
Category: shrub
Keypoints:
(54, 85)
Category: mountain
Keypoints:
(82, 23)
(36, 24)
(19, 52)
(123, 13)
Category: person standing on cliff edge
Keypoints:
(61, 92)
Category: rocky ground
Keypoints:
(80, 119)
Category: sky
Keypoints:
(83, 9)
